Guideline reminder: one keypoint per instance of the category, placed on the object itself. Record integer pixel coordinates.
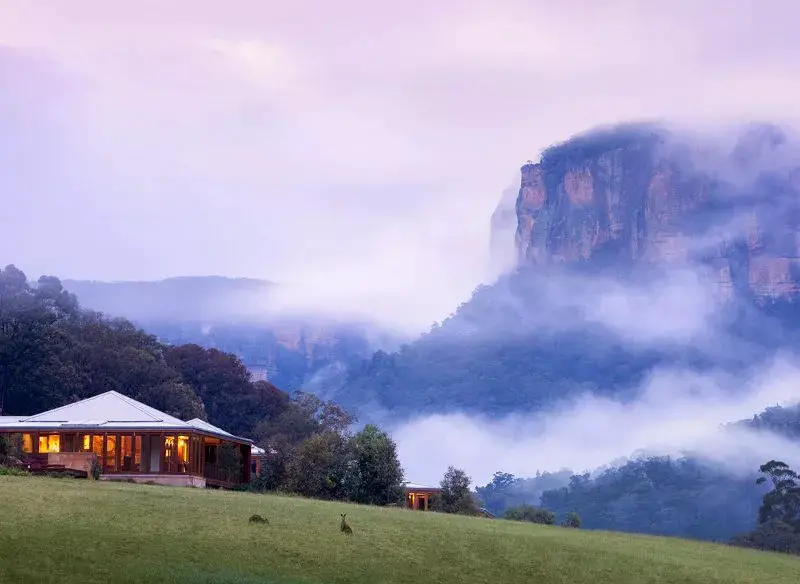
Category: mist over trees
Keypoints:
(662, 495)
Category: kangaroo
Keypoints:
(344, 528)
(258, 519)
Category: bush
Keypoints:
(95, 470)
(10, 448)
(530, 513)
(571, 520)
(12, 471)
(773, 535)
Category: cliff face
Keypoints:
(637, 195)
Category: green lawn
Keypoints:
(75, 531)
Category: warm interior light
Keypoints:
(183, 448)
(97, 445)
(50, 443)
(87, 443)
(27, 443)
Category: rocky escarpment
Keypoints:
(640, 195)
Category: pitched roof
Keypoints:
(110, 410)
(203, 425)
(106, 407)
(418, 487)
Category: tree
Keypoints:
(455, 496)
(782, 503)
(779, 515)
(530, 513)
(222, 382)
(321, 467)
(378, 470)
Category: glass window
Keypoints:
(111, 453)
(97, 446)
(169, 454)
(86, 443)
(68, 443)
(137, 454)
(126, 453)
(49, 443)
(146, 453)
(183, 454)
(27, 443)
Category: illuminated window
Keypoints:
(126, 453)
(27, 443)
(97, 446)
(49, 443)
(183, 453)
(183, 448)
(86, 443)
(111, 453)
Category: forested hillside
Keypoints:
(531, 340)
(236, 315)
(686, 497)
(53, 352)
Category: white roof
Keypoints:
(199, 424)
(109, 410)
(417, 486)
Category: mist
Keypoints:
(679, 413)
(197, 139)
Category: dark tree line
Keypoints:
(53, 352)
(778, 526)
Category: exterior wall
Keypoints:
(155, 458)
(72, 460)
(420, 499)
(159, 479)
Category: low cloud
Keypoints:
(678, 413)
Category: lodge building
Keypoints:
(131, 441)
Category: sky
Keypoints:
(354, 148)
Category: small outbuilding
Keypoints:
(419, 496)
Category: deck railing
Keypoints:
(224, 475)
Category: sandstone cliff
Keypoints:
(639, 195)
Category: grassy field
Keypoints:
(75, 531)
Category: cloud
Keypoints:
(678, 413)
(271, 140)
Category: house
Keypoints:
(418, 496)
(131, 441)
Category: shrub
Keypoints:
(572, 519)
(95, 470)
(531, 513)
(12, 471)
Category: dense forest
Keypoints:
(53, 352)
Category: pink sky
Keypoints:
(357, 147)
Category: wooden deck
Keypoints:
(37, 464)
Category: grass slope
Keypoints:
(76, 531)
